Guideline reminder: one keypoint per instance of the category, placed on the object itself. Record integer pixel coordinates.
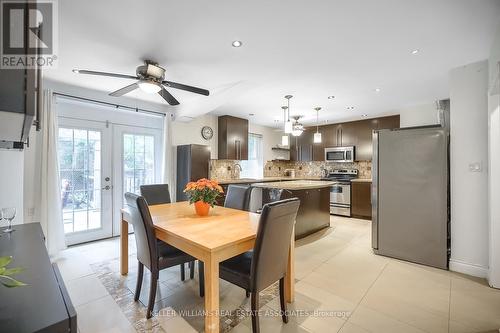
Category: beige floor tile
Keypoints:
(377, 322)
(351, 328)
(411, 294)
(102, 316)
(170, 321)
(349, 274)
(72, 265)
(474, 304)
(85, 289)
(274, 324)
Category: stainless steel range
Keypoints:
(340, 192)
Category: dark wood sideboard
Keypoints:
(43, 306)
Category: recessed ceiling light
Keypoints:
(415, 51)
(377, 89)
(251, 114)
(350, 108)
(364, 115)
(237, 43)
(331, 97)
(76, 70)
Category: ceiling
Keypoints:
(310, 49)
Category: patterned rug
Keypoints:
(181, 296)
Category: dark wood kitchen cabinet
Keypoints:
(232, 138)
(361, 205)
(301, 147)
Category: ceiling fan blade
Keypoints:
(187, 88)
(122, 76)
(168, 97)
(124, 90)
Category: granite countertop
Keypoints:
(296, 184)
(361, 180)
(262, 180)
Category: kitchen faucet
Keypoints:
(234, 169)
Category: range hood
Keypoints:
(18, 106)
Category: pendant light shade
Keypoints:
(288, 126)
(317, 135)
(284, 140)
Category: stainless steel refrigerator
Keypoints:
(410, 195)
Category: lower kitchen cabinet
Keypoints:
(361, 206)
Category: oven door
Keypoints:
(340, 194)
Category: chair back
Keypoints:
(270, 256)
(238, 197)
(145, 239)
(155, 194)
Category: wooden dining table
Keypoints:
(223, 234)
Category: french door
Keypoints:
(98, 163)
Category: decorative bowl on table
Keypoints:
(203, 193)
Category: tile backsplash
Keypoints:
(225, 169)
(313, 169)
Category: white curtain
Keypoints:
(50, 199)
(168, 156)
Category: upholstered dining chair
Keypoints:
(238, 197)
(157, 194)
(267, 263)
(153, 254)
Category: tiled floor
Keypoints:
(341, 287)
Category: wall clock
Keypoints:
(207, 132)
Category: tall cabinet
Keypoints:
(232, 138)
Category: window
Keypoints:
(254, 166)
(138, 162)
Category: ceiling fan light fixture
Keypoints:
(149, 87)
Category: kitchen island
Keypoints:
(314, 196)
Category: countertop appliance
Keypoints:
(410, 195)
(192, 164)
(339, 154)
(340, 192)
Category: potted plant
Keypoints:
(203, 193)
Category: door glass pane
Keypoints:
(138, 161)
(80, 175)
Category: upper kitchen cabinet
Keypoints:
(387, 122)
(232, 138)
(301, 147)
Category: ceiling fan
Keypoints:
(151, 79)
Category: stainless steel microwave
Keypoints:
(339, 154)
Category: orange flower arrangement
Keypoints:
(205, 190)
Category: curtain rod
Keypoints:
(117, 106)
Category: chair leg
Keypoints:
(255, 311)
(183, 272)
(284, 315)
(247, 293)
(201, 277)
(191, 270)
(152, 294)
(140, 274)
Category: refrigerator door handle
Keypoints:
(374, 196)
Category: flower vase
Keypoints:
(202, 208)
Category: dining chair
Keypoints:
(157, 194)
(267, 263)
(153, 254)
(238, 197)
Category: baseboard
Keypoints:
(469, 269)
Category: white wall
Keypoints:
(11, 182)
(184, 133)
(494, 163)
(419, 115)
(469, 190)
(271, 138)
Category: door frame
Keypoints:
(106, 229)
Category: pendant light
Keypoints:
(288, 123)
(297, 127)
(284, 137)
(317, 135)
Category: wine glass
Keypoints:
(9, 214)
